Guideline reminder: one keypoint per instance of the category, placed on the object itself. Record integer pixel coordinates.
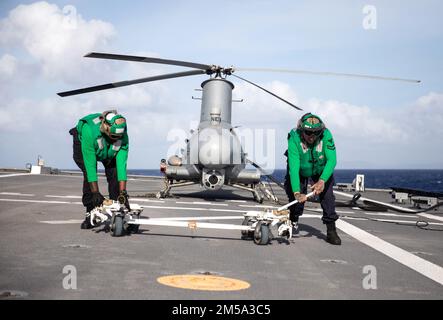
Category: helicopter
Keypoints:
(214, 156)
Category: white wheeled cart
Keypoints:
(261, 226)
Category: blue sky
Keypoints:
(376, 124)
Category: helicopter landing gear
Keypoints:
(257, 196)
(162, 194)
(166, 188)
(253, 188)
(165, 192)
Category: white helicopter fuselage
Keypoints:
(214, 155)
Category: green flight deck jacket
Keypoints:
(307, 161)
(96, 146)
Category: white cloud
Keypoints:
(43, 31)
(8, 65)
(356, 122)
(368, 135)
(344, 119)
(424, 119)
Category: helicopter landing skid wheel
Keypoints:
(261, 233)
(117, 226)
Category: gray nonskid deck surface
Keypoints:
(33, 253)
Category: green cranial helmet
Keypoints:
(117, 124)
(311, 123)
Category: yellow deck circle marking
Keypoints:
(203, 282)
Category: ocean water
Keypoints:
(429, 180)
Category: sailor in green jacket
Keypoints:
(311, 154)
(101, 137)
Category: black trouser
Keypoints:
(110, 170)
(327, 198)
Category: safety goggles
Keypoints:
(312, 132)
(115, 136)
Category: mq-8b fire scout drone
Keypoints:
(214, 155)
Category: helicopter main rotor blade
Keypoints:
(148, 60)
(272, 94)
(322, 73)
(130, 82)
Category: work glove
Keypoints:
(301, 198)
(97, 199)
(123, 198)
(318, 187)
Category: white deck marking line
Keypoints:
(257, 206)
(420, 265)
(202, 203)
(237, 200)
(17, 194)
(152, 207)
(389, 214)
(430, 216)
(411, 222)
(193, 208)
(209, 203)
(220, 217)
(370, 213)
(321, 210)
(14, 175)
(69, 197)
(149, 200)
(71, 221)
(200, 218)
(354, 218)
(66, 175)
(40, 201)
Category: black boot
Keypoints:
(331, 234)
(87, 223)
(294, 222)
